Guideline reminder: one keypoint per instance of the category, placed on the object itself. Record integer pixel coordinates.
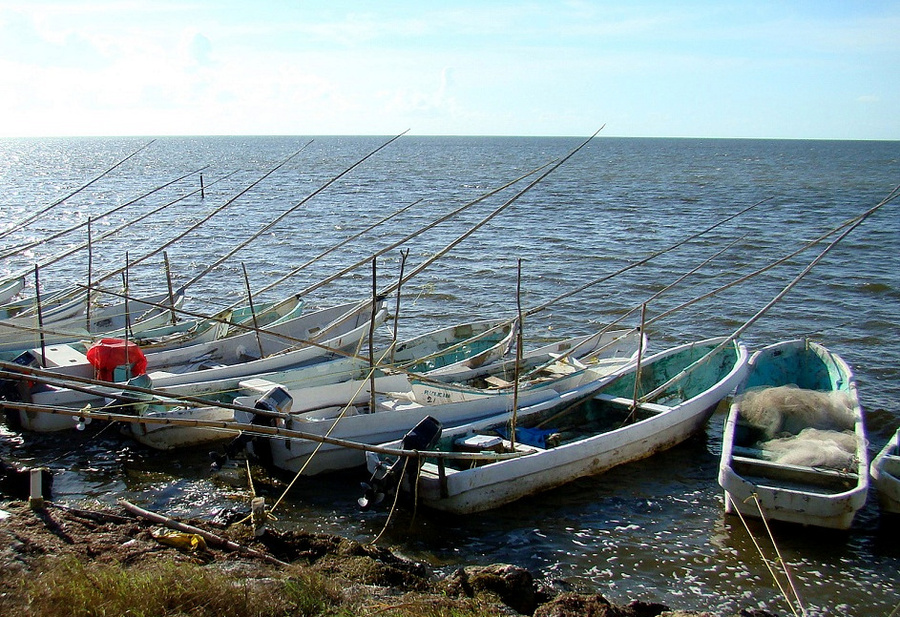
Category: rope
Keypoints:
(766, 561)
(394, 505)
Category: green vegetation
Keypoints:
(66, 587)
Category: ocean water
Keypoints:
(653, 530)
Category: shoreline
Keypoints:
(368, 579)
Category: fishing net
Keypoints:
(789, 409)
(814, 448)
(802, 427)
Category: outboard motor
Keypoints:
(131, 402)
(277, 400)
(386, 478)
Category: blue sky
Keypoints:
(808, 69)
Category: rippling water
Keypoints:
(653, 530)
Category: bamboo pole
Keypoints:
(253, 311)
(420, 231)
(21, 224)
(168, 271)
(206, 535)
(403, 257)
(372, 335)
(90, 273)
(215, 211)
(418, 269)
(40, 315)
(9, 252)
(519, 335)
(637, 369)
(343, 242)
(281, 216)
(793, 283)
(256, 430)
(644, 260)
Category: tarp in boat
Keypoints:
(110, 353)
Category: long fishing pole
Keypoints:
(333, 248)
(149, 213)
(793, 283)
(36, 215)
(892, 196)
(418, 269)
(25, 246)
(289, 211)
(641, 262)
(216, 211)
(641, 307)
(75, 289)
(259, 430)
(419, 231)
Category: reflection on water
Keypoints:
(653, 530)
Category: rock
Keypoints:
(514, 586)
(595, 605)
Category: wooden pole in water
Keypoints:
(252, 310)
(40, 315)
(126, 275)
(372, 335)
(403, 256)
(519, 336)
(637, 371)
(168, 270)
(90, 273)
(202, 189)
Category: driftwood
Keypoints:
(210, 538)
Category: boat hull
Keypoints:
(476, 489)
(885, 475)
(798, 494)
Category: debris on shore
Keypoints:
(353, 577)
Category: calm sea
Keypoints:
(653, 530)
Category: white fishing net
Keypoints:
(802, 427)
(789, 409)
(814, 448)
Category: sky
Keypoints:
(781, 69)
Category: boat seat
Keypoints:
(59, 355)
(498, 382)
(623, 401)
(258, 384)
(791, 472)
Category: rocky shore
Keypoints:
(364, 579)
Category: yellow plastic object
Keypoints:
(180, 540)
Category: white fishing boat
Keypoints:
(612, 349)
(677, 391)
(226, 323)
(303, 340)
(885, 475)
(55, 307)
(321, 384)
(794, 445)
(25, 332)
(10, 288)
(604, 346)
(346, 411)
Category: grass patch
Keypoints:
(69, 588)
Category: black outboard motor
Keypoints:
(276, 400)
(386, 478)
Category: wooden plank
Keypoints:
(771, 468)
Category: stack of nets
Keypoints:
(802, 427)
